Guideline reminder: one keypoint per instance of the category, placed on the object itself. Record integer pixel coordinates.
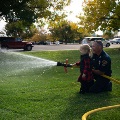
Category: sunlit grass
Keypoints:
(51, 94)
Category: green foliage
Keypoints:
(103, 14)
(21, 14)
(50, 93)
(20, 29)
(41, 35)
(108, 34)
(66, 31)
(29, 10)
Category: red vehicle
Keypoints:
(15, 43)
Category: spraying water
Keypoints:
(13, 62)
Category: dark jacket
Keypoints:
(85, 68)
(102, 63)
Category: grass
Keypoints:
(51, 94)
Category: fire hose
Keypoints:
(98, 109)
(84, 117)
(65, 65)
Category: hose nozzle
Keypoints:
(64, 64)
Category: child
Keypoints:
(86, 76)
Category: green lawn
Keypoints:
(48, 93)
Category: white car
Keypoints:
(57, 42)
(89, 40)
(115, 40)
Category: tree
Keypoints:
(29, 10)
(103, 14)
(18, 29)
(65, 31)
(108, 34)
(21, 14)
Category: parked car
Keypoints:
(15, 43)
(56, 42)
(89, 40)
(41, 43)
(115, 40)
(48, 42)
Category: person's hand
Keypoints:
(83, 76)
(74, 64)
(93, 70)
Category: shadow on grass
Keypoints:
(82, 103)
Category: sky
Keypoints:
(76, 8)
(2, 24)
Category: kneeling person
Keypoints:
(101, 62)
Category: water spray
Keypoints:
(13, 63)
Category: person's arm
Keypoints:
(76, 64)
(104, 67)
(97, 72)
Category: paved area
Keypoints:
(56, 47)
(115, 46)
(63, 47)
